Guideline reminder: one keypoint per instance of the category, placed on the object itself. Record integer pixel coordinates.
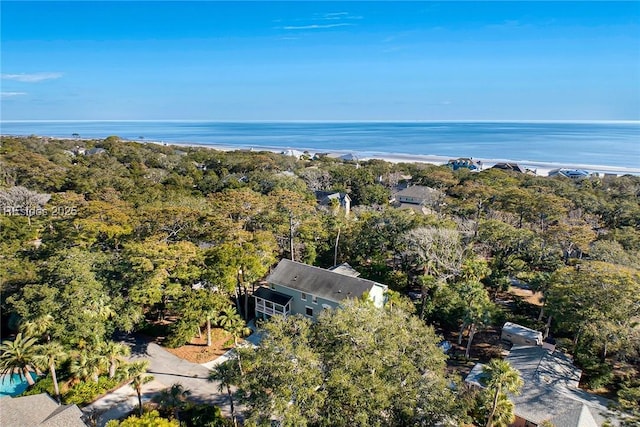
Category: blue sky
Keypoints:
(320, 60)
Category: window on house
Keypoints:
(314, 299)
(272, 286)
(303, 296)
(309, 311)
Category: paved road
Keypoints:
(170, 369)
(167, 369)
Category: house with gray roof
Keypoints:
(419, 198)
(574, 174)
(550, 391)
(345, 269)
(38, 410)
(510, 167)
(297, 288)
(328, 198)
(95, 151)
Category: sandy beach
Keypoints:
(540, 168)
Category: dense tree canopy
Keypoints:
(334, 374)
(141, 232)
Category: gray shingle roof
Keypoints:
(550, 390)
(509, 167)
(418, 192)
(345, 269)
(38, 410)
(319, 282)
(325, 197)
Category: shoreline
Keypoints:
(541, 168)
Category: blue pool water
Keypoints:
(13, 385)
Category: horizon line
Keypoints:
(585, 121)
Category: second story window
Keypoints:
(303, 296)
(314, 299)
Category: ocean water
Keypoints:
(579, 143)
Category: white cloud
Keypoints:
(314, 26)
(339, 15)
(32, 77)
(11, 94)
(335, 15)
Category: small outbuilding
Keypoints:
(520, 335)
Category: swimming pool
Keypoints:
(13, 385)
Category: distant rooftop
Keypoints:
(418, 192)
(345, 269)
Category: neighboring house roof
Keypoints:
(271, 295)
(325, 197)
(345, 269)
(319, 282)
(509, 167)
(94, 151)
(349, 157)
(293, 153)
(420, 192)
(550, 391)
(38, 410)
(569, 173)
(462, 162)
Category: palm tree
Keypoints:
(48, 356)
(231, 322)
(173, 398)
(138, 373)
(235, 325)
(88, 364)
(38, 327)
(227, 374)
(115, 353)
(226, 316)
(17, 357)
(503, 416)
(500, 379)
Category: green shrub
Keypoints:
(152, 418)
(43, 385)
(596, 374)
(87, 391)
(203, 415)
